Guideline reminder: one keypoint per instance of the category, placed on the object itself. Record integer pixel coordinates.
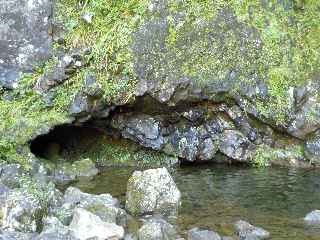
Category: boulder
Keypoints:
(21, 212)
(86, 225)
(246, 231)
(68, 172)
(55, 230)
(236, 146)
(312, 147)
(313, 217)
(152, 191)
(103, 205)
(157, 229)
(306, 118)
(199, 234)
(13, 235)
(10, 175)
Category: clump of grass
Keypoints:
(109, 37)
(27, 114)
(264, 155)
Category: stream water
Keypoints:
(214, 197)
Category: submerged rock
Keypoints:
(152, 191)
(67, 172)
(198, 234)
(246, 231)
(313, 217)
(157, 229)
(86, 225)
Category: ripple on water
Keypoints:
(216, 196)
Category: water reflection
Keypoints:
(216, 196)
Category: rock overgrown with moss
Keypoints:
(260, 59)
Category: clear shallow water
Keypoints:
(214, 197)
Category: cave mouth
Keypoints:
(64, 140)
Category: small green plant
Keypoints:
(40, 193)
(262, 156)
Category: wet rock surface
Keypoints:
(313, 217)
(312, 147)
(157, 229)
(152, 191)
(85, 225)
(68, 172)
(198, 234)
(246, 231)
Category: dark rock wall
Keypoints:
(25, 39)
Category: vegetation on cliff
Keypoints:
(281, 50)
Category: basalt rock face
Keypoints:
(24, 37)
(197, 134)
(227, 80)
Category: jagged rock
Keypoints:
(152, 191)
(103, 205)
(312, 147)
(242, 122)
(307, 110)
(313, 217)
(21, 212)
(4, 190)
(141, 128)
(66, 65)
(68, 172)
(157, 229)
(80, 105)
(86, 225)
(186, 143)
(64, 213)
(207, 149)
(235, 145)
(218, 124)
(246, 231)
(23, 43)
(10, 175)
(194, 115)
(74, 196)
(12, 235)
(92, 87)
(198, 234)
(55, 230)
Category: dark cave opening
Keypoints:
(65, 138)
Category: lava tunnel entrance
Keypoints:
(65, 140)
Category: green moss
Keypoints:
(264, 155)
(107, 152)
(24, 116)
(281, 48)
(109, 37)
(276, 42)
